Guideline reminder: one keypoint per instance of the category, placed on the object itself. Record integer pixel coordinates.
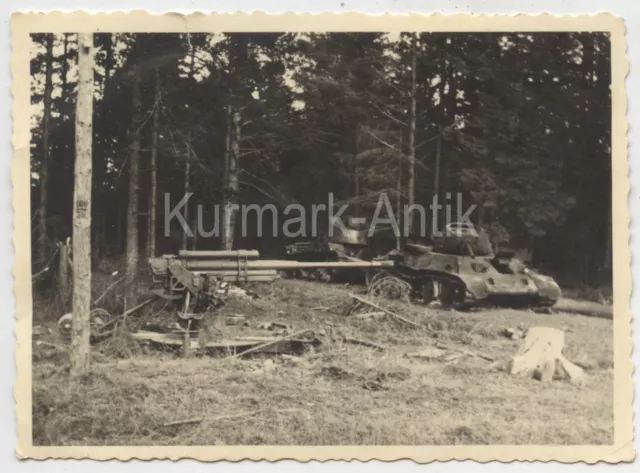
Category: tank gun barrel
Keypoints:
(215, 254)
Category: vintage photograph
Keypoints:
(367, 237)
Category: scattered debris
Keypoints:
(453, 357)
(374, 385)
(428, 353)
(237, 291)
(386, 311)
(370, 316)
(183, 422)
(111, 286)
(274, 325)
(335, 372)
(513, 333)
(364, 343)
(279, 340)
(100, 321)
(475, 354)
(236, 319)
(238, 346)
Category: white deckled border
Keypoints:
(140, 21)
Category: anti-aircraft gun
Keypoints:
(198, 281)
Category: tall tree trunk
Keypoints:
(356, 174)
(120, 223)
(153, 196)
(399, 191)
(436, 170)
(132, 210)
(187, 175)
(104, 149)
(224, 238)
(80, 355)
(608, 247)
(64, 290)
(64, 69)
(231, 173)
(411, 177)
(44, 166)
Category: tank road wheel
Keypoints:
(429, 290)
(451, 295)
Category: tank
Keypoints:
(460, 269)
(347, 246)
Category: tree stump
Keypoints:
(541, 353)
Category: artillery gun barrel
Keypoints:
(195, 265)
(214, 254)
(231, 272)
(242, 277)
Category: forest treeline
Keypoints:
(519, 124)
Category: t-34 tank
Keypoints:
(461, 270)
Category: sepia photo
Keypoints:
(321, 237)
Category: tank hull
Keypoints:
(464, 281)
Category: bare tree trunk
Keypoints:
(436, 171)
(132, 210)
(231, 173)
(187, 165)
(399, 191)
(153, 196)
(64, 290)
(608, 248)
(80, 355)
(120, 226)
(356, 173)
(44, 166)
(64, 69)
(224, 238)
(411, 177)
(187, 174)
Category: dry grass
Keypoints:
(343, 394)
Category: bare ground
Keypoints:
(340, 394)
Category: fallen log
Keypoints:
(183, 422)
(238, 345)
(427, 353)
(378, 315)
(125, 314)
(386, 311)
(364, 343)
(475, 354)
(587, 308)
(271, 343)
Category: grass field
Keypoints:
(339, 394)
